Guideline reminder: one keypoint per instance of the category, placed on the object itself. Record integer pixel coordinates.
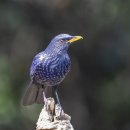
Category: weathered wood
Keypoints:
(51, 118)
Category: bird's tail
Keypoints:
(34, 94)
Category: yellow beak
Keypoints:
(75, 38)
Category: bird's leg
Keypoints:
(57, 98)
(44, 96)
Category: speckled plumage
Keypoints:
(49, 68)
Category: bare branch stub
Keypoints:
(49, 118)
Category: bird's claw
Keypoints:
(58, 111)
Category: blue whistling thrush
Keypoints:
(49, 68)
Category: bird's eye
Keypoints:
(61, 40)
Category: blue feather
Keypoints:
(50, 67)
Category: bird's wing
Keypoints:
(38, 59)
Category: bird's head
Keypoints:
(60, 43)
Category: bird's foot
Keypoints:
(50, 105)
(58, 111)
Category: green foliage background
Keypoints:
(96, 93)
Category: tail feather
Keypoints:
(30, 95)
(39, 98)
(34, 94)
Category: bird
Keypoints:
(49, 68)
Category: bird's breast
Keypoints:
(52, 70)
